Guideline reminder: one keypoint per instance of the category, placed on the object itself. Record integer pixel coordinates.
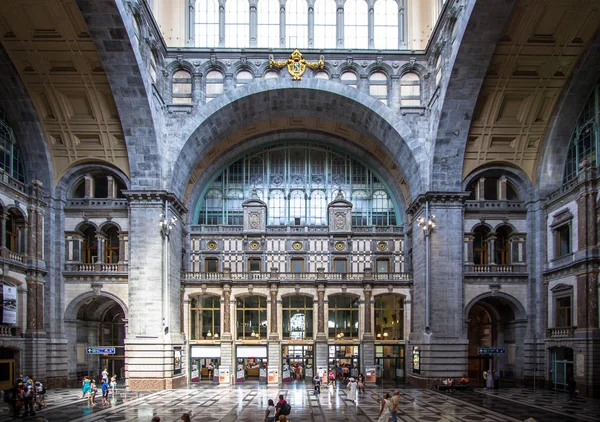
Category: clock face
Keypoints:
(340, 246)
(297, 246)
(382, 246)
(211, 245)
(254, 245)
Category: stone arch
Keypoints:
(83, 224)
(72, 308)
(482, 23)
(312, 296)
(375, 125)
(515, 175)
(413, 68)
(130, 87)
(557, 136)
(517, 307)
(108, 225)
(481, 224)
(68, 181)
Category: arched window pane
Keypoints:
(325, 20)
(321, 75)
(237, 23)
(243, 77)
(378, 86)
(205, 317)
(410, 90)
(350, 79)
(214, 84)
(268, 23)
(356, 28)
(271, 74)
(182, 87)
(296, 24)
(386, 24)
(11, 161)
(318, 208)
(207, 23)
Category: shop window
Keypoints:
(205, 317)
(389, 317)
(182, 87)
(343, 317)
(297, 317)
(251, 317)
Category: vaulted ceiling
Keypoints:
(533, 61)
(51, 49)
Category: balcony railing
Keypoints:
(286, 276)
(97, 267)
(13, 256)
(10, 331)
(491, 205)
(495, 268)
(561, 332)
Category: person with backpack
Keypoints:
(282, 407)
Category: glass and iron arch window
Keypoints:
(90, 245)
(207, 23)
(182, 87)
(325, 18)
(237, 23)
(410, 90)
(378, 86)
(11, 161)
(389, 317)
(356, 27)
(343, 317)
(386, 24)
(296, 23)
(205, 317)
(297, 317)
(268, 23)
(251, 317)
(297, 181)
(583, 147)
(214, 84)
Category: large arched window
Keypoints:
(480, 249)
(349, 79)
(90, 245)
(205, 317)
(378, 86)
(251, 317)
(10, 154)
(296, 23)
(182, 87)
(386, 24)
(296, 181)
(356, 27)
(297, 317)
(237, 23)
(214, 84)
(410, 90)
(207, 23)
(111, 245)
(583, 147)
(389, 317)
(325, 36)
(502, 245)
(343, 317)
(268, 23)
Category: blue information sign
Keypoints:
(490, 350)
(100, 350)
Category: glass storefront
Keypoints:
(204, 363)
(251, 363)
(344, 360)
(297, 362)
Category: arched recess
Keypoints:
(482, 23)
(552, 154)
(115, 42)
(495, 320)
(91, 321)
(261, 108)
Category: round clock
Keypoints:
(211, 245)
(254, 245)
(297, 246)
(382, 246)
(340, 246)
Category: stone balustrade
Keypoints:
(561, 332)
(288, 276)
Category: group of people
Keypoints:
(89, 389)
(491, 379)
(25, 394)
(389, 407)
(278, 412)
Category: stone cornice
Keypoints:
(142, 196)
(436, 198)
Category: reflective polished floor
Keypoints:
(247, 402)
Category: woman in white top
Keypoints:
(384, 412)
(270, 412)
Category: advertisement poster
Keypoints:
(195, 376)
(240, 374)
(322, 371)
(273, 375)
(416, 360)
(177, 361)
(224, 375)
(371, 374)
(286, 373)
(9, 305)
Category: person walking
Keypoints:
(105, 392)
(270, 412)
(352, 388)
(105, 375)
(394, 403)
(361, 384)
(93, 391)
(113, 385)
(384, 411)
(85, 387)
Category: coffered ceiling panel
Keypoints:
(535, 57)
(48, 43)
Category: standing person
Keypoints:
(282, 407)
(211, 369)
(332, 378)
(105, 375)
(317, 384)
(85, 387)
(345, 372)
(394, 403)
(28, 401)
(384, 411)
(40, 394)
(361, 384)
(352, 388)
(571, 387)
(270, 412)
(496, 380)
(105, 392)
(113, 384)
(93, 391)
(489, 381)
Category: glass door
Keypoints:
(562, 367)
(297, 362)
(390, 364)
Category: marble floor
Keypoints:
(211, 403)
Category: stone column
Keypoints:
(371, 23)
(395, 92)
(3, 218)
(311, 23)
(111, 188)
(321, 352)
(221, 23)
(190, 24)
(491, 242)
(282, 23)
(198, 94)
(402, 26)
(273, 329)
(253, 23)
(101, 240)
(502, 188)
(89, 186)
(480, 192)
(468, 243)
(122, 247)
(339, 23)
(368, 311)
(226, 312)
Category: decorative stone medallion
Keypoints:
(382, 246)
(211, 245)
(254, 245)
(297, 246)
(340, 246)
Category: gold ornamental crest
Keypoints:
(296, 64)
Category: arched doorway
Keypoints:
(495, 322)
(93, 323)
